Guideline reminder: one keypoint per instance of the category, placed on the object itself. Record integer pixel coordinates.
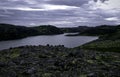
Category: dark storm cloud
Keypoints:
(100, 0)
(69, 2)
(60, 12)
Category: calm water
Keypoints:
(51, 39)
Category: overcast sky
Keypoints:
(61, 13)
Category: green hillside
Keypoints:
(10, 32)
(100, 30)
(48, 30)
(107, 41)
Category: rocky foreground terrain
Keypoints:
(58, 61)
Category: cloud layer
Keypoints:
(62, 13)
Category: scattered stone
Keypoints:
(31, 70)
(2, 64)
(58, 61)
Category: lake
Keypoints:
(70, 42)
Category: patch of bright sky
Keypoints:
(112, 19)
(107, 5)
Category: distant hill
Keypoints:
(112, 36)
(103, 31)
(99, 30)
(48, 30)
(109, 38)
(10, 32)
(74, 29)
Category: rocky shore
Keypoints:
(58, 61)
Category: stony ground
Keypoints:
(58, 61)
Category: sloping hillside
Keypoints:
(106, 42)
(10, 32)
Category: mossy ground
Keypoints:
(58, 61)
(103, 45)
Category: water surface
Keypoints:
(61, 39)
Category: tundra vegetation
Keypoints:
(58, 61)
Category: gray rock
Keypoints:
(11, 74)
(91, 75)
(31, 70)
(11, 63)
(2, 64)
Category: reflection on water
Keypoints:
(48, 39)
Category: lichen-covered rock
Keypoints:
(57, 61)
